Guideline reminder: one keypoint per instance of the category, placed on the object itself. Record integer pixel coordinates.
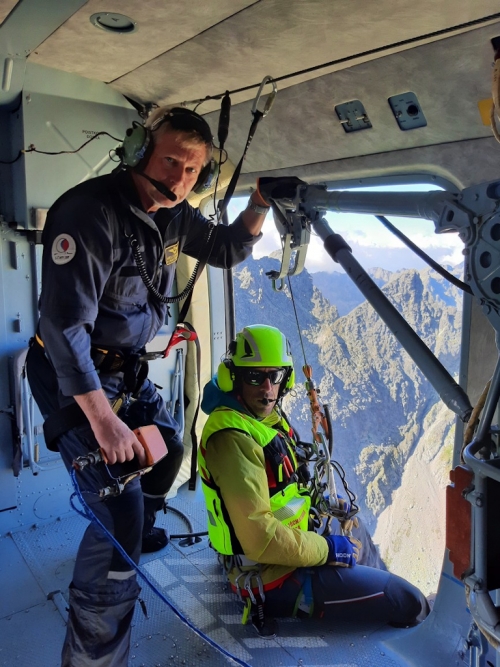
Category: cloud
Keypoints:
(373, 245)
(372, 251)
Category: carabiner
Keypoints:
(278, 287)
(269, 102)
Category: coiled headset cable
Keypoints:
(146, 279)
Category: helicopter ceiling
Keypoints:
(182, 51)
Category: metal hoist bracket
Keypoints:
(295, 234)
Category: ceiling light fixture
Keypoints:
(111, 22)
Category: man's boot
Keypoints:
(153, 539)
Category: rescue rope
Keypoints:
(297, 321)
(87, 513)
(324, 498)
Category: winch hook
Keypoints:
(270, 99)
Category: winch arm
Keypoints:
(473, 213)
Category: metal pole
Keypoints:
(427, 205)
(450, 392)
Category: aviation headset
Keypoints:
(256, 345)
(137, 147)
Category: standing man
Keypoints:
(258, 505)
(110, 250)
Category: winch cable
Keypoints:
(318, 417)
(424, 256)
(88, 514)
(321, 417)
(297, 321)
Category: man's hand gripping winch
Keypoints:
(121, 474)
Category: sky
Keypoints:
(372, 244)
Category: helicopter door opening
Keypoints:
(391, 433)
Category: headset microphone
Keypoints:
(159, 186)
(266, 401)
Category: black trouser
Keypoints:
(360, 593)
(366, 592)
(104, 588)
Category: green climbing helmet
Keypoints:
(260, 345)
(257, 346)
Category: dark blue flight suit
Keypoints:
(94, 298)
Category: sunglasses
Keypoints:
(255, 377)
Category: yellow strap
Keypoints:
(40, 342)
(280, 472)
(246, 611)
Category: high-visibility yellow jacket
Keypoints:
(254, 507)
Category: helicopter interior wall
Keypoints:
(56, 112)
(61, 112)
(451, 165)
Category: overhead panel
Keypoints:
(303, 128)
(23, 29)
(31, 21)
(162, 25)
(278, 37)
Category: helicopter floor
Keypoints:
(37, 567)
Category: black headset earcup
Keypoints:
(207, 177)
(225, 377)
(134, 148)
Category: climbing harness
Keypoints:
(253, 599)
